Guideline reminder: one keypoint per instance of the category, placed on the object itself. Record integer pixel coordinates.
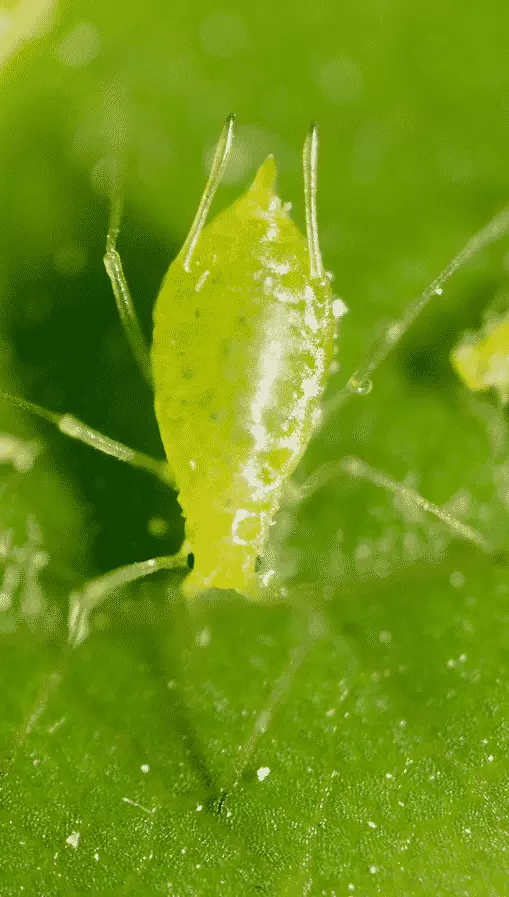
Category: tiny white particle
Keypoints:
(351, 887)
(389, 775)
(96, 857)
(331, 712)
(199, 807)
(372, 824)
(145, 767)
(73, 839)
(372, 869)
(490, 758)
(439, 291)
(262, 773)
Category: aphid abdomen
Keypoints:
(242, 346)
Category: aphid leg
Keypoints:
(216, 173)
(113, 265)
(94, 592)
(315, 629)
(310, 166)
(358, 469)
(76, 429)
(360, 381)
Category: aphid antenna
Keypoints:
(216, 173)
(310, 167)
(115, 271)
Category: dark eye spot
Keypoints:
(190, 560)
(258, 564)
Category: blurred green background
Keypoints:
(413, 106)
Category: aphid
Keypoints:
(482, 359)
(244, 337)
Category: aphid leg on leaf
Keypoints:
(360, 381)
(358, 469)
(113, 265)
(310, 165)
(76, 429)
(315, 628)
(94, 592)
(216, 172)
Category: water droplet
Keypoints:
(360, 387)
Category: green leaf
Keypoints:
(353, 740)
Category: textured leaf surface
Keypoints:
(355, 740)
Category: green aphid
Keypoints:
(482, 359)
(244, 331)
(243, 344)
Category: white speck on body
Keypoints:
(439, 291)
(199, 808)
(490, 758)
(372, 824)
(389, 775)
(262, 773)
(201, 281)
(339, 308)
(73, 840)
(373, 870)
(145, 767)
(96, 857)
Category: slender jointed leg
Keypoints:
(358, 469)
(93, 593)
(216, 173)
(310, 166)
(74, 428)
(360, 381)
(113, 265)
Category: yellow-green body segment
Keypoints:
(482, 359)
(243, 342)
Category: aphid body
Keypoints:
(243, 342)
(482, 360)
